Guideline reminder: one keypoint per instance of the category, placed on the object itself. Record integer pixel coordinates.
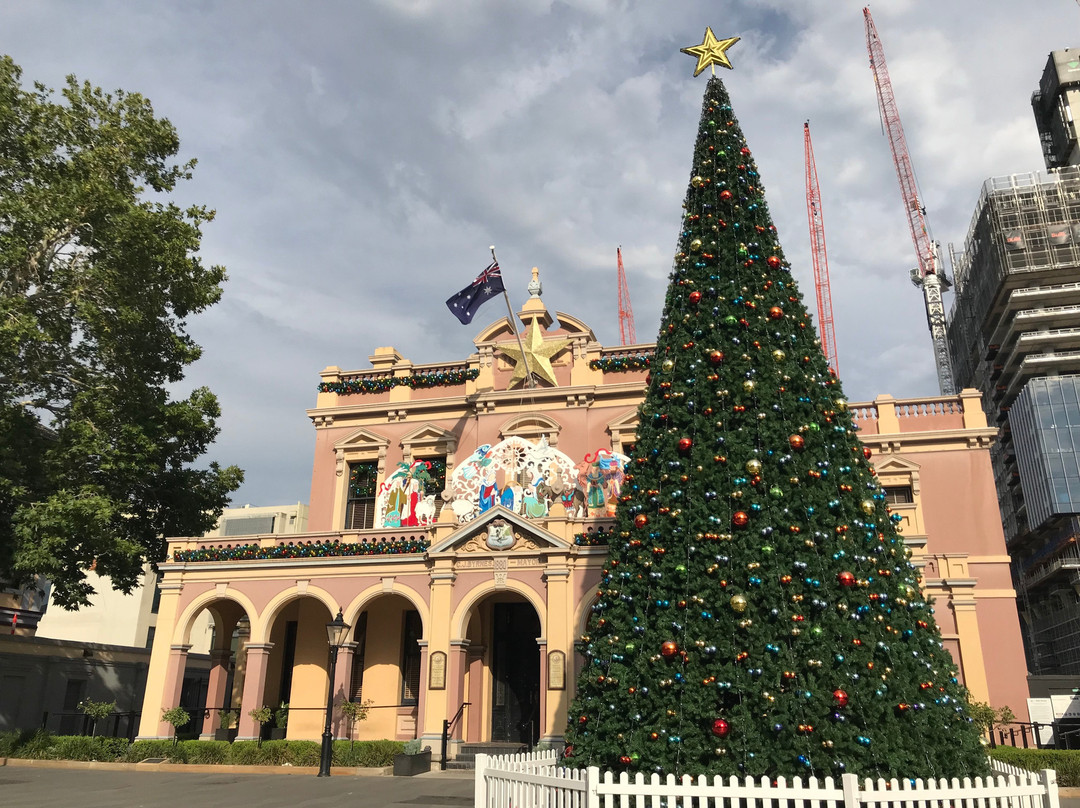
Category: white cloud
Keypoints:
(362, 157)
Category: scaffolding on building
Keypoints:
(1016, 316)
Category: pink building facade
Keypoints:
(457, 520)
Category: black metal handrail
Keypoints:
(446, 724)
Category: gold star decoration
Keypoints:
(711, 52)
(537, 355)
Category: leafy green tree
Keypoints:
(99, 272)
(758, 613)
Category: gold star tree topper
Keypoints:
(538, 355)
(711, 52)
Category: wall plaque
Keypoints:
(556, 670)
(437, 671)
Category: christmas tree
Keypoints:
(758, 613)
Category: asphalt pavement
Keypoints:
(46, 788)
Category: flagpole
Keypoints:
(510, 311)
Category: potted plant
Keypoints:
(178, 717)
(281, 722)
(355, 711)
(225, 720)
(96, 710)
(412, 760)
(261, 716)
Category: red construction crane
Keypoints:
(926, 274)
(820, 256)
(626, 313)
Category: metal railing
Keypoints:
(116, 725)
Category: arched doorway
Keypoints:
(213, 677)
(297, 669)
(385, 668)
(505, 675)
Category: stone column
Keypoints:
(174, 684)
(455, 683)
(422, 696)
(160, 658)
(342, 684)
(475, 711)
(558, 635)
(258, 655)
(436, 702)
(215, 691)
(971, 662)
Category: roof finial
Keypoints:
(535, 289)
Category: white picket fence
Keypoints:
(538, 781)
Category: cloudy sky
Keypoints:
(362, 156)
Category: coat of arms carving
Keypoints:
(500, 535)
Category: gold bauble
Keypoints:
(738, 604)
(778, 355)
(867, 506)
(695, 245)
(840, 404)
(697, 181)
(748, 386)
(753, 466)
(668, 365)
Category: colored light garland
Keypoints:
(444, 378)
(622, 364)
(598, 538)
(317, 549)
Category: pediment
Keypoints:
(573, 326)
(500, 329)
(472, 537)
(894, 464)
(362, 439)
(428, 435)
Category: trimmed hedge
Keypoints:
(1065, 761)
(44, 746)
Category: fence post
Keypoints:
(592, 784)
(850, 785)
(480, 799)
(1048, 777)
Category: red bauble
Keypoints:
(796, 441)
(695, 296)
(669, 649)
(641, 520)
(625, 760)
(866, 452)
(744, 151)
(725, 195)
(846, 578)
(740, 518)
(685, 444)
(840, 697)
(773, 262)
(716, 357)
(720, 728)
(776, 313)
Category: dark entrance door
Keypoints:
(515, 702)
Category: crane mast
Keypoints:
(626, 313)
(820, 256)
(926, 274)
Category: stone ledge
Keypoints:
(195, 768)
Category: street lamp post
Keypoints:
(336, 633)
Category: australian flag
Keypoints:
(464, 304)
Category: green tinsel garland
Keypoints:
(318, 549)
(446, 378)
(622, 364)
